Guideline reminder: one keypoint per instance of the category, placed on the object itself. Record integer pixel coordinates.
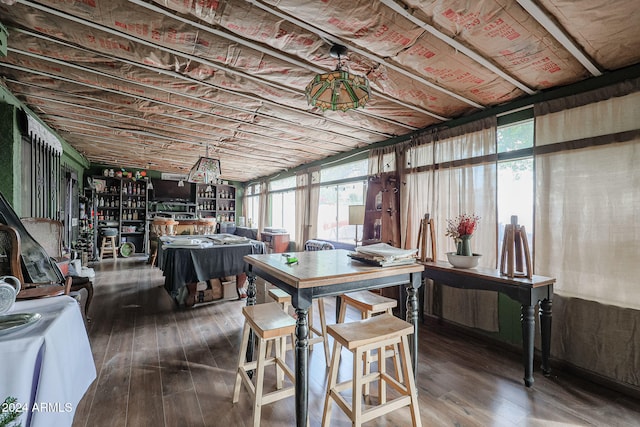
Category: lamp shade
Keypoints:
(205, 171)
(356, 214)
(338, 90)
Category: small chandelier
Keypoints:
(339, 89)
(205, 171)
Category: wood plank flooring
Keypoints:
(163, 366)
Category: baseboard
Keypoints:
(445, 327)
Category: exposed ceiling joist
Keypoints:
(544, 20)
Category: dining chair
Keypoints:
(12, 258)
(49, 234)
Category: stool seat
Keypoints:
(352, 335)
(269, 320)
(367, 301)
(269, 324)
(280, 296)
(359, 338)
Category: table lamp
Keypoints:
(356, 217)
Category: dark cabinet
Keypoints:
(381, 216)
(382, 222)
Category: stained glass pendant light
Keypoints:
(205, 171)
(339, 89)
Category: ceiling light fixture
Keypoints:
(339, 89)
(205, 171)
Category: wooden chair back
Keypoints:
(10, 253)
(10, 264)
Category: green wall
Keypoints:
(9, 154)
(11, 110)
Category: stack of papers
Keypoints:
(228, 239)
(384, 255)
(185, 243)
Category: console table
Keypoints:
(528, 292)
(326, 273)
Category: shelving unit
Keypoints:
(87, 238)
(216, 201)
(122, 203)
(173, 210)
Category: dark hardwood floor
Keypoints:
(162, 366)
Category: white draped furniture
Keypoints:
(47, 366)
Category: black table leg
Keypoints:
(412, 317)
(545, 334)
(302, 367)
(251, 300)
(528, 328)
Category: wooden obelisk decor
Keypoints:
(423, 237)
(516, 259)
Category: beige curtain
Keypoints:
(307, 201)
(314, 202)
(588, 226)
(588, 199)
(383, 159)
(263, 209)
(301, 209)
(463, 186)
(417, 198)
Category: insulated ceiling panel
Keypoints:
(152, 84)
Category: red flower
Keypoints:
(462, 225)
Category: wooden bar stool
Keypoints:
(315, 335)
(108, 247)
(370, 304)
(284, 299)
(269, 323)
(359, 338)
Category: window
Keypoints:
(253, 205)
(515, 177)
(283, 201)
(344, 171)
(345, 185)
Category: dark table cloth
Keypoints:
(188, 265)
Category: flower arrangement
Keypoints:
(462, 225)
(461, 229)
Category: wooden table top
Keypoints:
(323, 268)
(492, 274)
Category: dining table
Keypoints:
(317, 274)
(198, 258)
(46, 363)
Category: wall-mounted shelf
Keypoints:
(216, 201)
